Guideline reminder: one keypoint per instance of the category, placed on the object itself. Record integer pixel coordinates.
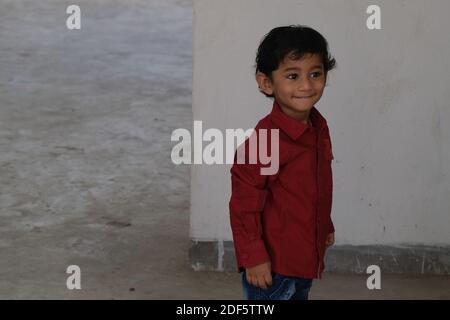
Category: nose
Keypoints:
(305, 84)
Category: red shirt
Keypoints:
(285, 218)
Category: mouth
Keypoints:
(305, 97)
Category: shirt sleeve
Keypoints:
(331, 225)
(248, 195)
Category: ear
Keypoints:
(264, 83)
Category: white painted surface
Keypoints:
(387, 105)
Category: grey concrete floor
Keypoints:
(86, 177)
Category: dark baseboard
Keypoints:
(411, 260)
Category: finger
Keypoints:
(262, 283)
(268, 279)
(254, 281)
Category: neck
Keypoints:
(300, 116)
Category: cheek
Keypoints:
(284, 88)
(320, 87)
(289, 88)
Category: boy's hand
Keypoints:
(260, 275)
(330, 240)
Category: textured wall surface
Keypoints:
(387, 104)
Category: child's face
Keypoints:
(296, 85)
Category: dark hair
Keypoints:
(294, 41)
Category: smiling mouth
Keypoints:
(304, 97)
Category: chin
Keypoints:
(303, 108)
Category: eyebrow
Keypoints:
(295, 68)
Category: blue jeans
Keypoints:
(282, 288)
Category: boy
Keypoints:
(281, 223)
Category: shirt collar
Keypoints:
(293, 128)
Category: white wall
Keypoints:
(387, 105)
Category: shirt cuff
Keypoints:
(254, 254)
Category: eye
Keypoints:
(292, 76)
(316, 74)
